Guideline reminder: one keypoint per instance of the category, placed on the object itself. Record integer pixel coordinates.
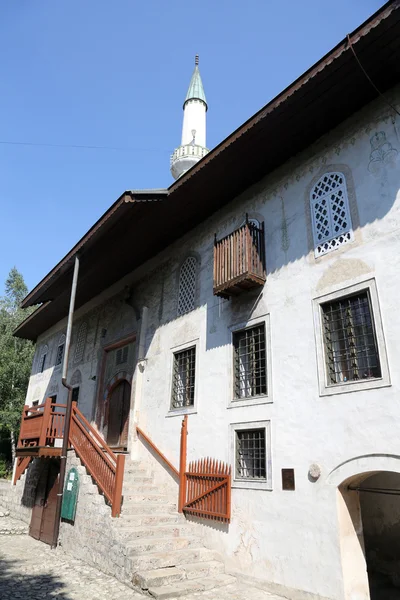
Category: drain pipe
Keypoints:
(67, 422)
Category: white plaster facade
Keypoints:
(286, 540)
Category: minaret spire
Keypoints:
(193, 142)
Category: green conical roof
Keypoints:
(196, 89)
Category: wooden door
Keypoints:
(44, 511)
(118, 415)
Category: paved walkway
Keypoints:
(30, 570)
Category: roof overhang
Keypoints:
(142, 223)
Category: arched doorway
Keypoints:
(369, 526)
(118, 415)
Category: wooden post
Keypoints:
(45, 422)
(117, 494)
(21, 429)
(182, 465)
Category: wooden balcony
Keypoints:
(239, 261)
(40, 427)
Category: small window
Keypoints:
(250, 364)
(121, 355)
(42, 359)
(187, 286)
(60, 351)
(183, 378)
(351, 350)
(35, 403)
(75, 394)
(251, 454)
(80, 343)
(330, 213)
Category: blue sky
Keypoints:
(115, 74)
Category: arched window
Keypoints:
(187, 285)
(330, 213)
(80, 343)
(42, 358)
(60, 351)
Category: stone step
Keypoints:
(133, 480)
(153, 518)
(162, 577)
(156, 530)
(183, 588)
(164, 544)
(161, 560)
(148, 508)
(148, 497)
(145, 488)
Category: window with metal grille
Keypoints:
(250, 363)
(121, 355)
(60, 351)
(251, 454)
(80, 343)
(183, 378)
(350, 342)
(330, 213)
(187, 286)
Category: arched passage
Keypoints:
(369, 526)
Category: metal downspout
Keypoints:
(67, 423)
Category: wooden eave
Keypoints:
(137, 227)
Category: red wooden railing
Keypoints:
(41, 425)
(106, 468)
(208, 490)
(239, 259)
(158, 452)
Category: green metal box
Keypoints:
(70, 497)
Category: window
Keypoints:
(75, 394)
(60, 351)
(121, 355)
(330, 214)
(251, 455)
(80, 343)
(183, 378)
(250, 364)
(187, 286)
(42, 359)
(351, 350)
(35, 403)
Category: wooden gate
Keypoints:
(208, 490)
(44, 510)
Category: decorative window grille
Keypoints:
(60, 351)
(187, 286)
(42, 360)
(350, 342)
(80, 343)
(330, 213)
(251, 454)
(121, 355)
(250, 364)
(183, 378)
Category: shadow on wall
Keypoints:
(15, 582)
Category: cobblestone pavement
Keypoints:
(30, 570)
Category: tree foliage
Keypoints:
(15, 354)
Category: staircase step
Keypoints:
(157, 577)
(153, 518)
(143, 508)
(148, 497)
(161, 560)
(133, 480)
(183, 588)
(203, 569)
(156, 530)
(163, 544)
(148, 488)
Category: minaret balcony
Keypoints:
(189, 150)
(239, 261)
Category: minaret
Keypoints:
(193, 143)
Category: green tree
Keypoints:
(15, 357)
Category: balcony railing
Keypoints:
(239, 260)
(41, 426)
(189, 150)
